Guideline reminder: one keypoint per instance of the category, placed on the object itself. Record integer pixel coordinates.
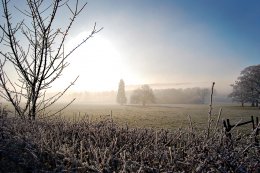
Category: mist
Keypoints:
(163, 95)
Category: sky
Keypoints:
(167, 43)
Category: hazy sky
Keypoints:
(167, 42)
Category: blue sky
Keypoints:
(165, 42)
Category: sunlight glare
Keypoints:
(97, 62)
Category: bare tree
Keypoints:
(143, 95)
(240, 92)
(247, 86)
(34, 47)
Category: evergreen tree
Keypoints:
(121, 98)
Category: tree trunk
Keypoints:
(33, 111)
(34, 100)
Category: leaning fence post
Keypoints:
(228, 125)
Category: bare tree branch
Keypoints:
(39, 58)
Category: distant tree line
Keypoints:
(145, 95)
(246, 88)
(182, 96)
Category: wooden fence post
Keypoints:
(227, 128)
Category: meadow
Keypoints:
(162, 116)
(151, 139)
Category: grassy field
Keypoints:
(162, 116)
(55, 145)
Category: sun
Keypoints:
(98, 63)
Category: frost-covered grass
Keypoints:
(134, 139)
(59, 145)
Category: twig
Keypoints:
(210, 110)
